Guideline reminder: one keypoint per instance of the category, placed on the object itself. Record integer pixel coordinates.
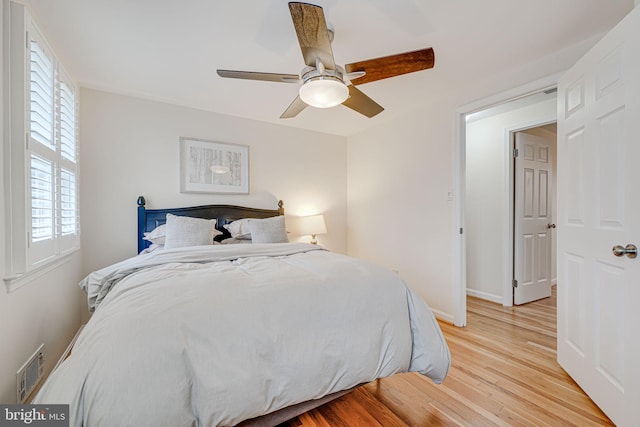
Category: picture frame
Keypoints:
(213, 167)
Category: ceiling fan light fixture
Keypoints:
(324, 92)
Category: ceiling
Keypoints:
(170, 50)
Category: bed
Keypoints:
(237, 328)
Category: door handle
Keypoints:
(551, 226)
(631, 251)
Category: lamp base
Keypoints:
(313, 241)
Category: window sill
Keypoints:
(19, 280)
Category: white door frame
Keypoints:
(460, 246)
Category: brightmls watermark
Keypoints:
(34, 415)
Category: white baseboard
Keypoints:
(485, 296)
(554, 281)
(440, 315)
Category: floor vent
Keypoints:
(30, 374)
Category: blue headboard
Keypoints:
(148, 219)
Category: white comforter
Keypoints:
(215, 335)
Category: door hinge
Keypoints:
(460, 230)
(514, 283)
(515, 153)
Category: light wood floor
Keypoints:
(503, 373)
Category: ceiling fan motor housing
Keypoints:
(311, 73)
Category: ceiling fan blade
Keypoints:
(361, 103)
(294, 108)
(313, 35)
(391, 66)
(252, 75)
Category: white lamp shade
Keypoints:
(323, 93)
(310, 225)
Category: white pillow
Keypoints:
(233, 241)
(157, 235)
(239, 229)
(268, 230)
(186, 231)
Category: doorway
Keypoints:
(486, 269)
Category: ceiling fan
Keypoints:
(325, 84)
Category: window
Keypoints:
(43, 147)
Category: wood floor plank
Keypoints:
(503, 373)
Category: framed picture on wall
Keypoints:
(213, 167)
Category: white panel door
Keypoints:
(532, 224)
(599, 208)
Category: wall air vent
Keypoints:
(30, 374)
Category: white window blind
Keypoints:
(53, 146)
(68, 207)
(41, 94)
(44, 220)
(67, 122)
(42, 199)
(67, 213)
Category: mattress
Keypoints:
(218, 334)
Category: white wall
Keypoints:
(47, 310)
(130, 147)
(401, 171)
(399, 216)
(487, 201)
